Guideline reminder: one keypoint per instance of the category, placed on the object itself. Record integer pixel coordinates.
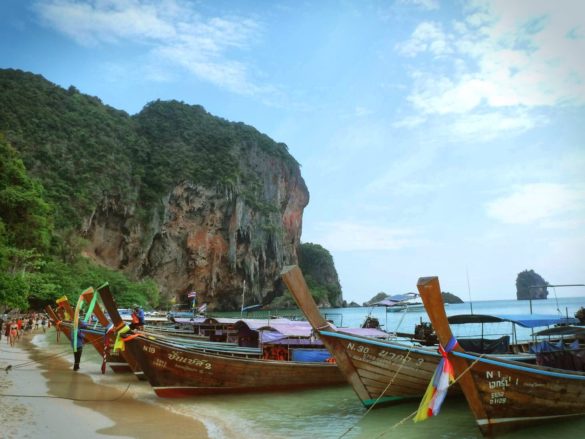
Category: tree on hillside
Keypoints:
(25, 228)
(319, 270)
(530, 285)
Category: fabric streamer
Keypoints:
(91, 306)
(119, 343)
(59, 301)
(437, 390)
(106, 347)
(78, 307)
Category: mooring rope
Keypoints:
(402, 421)
(70, 398)
(380, 396)
(38, 360)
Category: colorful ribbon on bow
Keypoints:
(78, 307)
(59, 302)
(437, 390)
(120, 343)
(106, 347)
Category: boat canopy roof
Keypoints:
(365, 332)
(562, 330)
(524, 320)
(396, 299)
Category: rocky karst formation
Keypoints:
(174, 193)
(531, 285)
(208, 240)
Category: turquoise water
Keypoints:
(405, 321)
(337, 412)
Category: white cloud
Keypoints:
(409, 122)
(505, 54)
(429, 5)
(487, 126)
(428, 36)
(170, 29)
(351, 236)
(548, 204)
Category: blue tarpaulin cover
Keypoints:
(310, 355)
(524, 320)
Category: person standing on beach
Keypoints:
(13, 332)
(137, 318)
(80, 341)
(7, 331)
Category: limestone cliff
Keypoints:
(174, 193)
(211, 238)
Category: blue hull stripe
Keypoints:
(577, 376)
(388, 345)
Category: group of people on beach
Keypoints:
(12, 328)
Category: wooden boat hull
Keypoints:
(115, 360)
(505, 395)
(177, 372)
(513, 394)
(381, 372)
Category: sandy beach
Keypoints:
(41, 397)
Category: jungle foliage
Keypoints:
(34, 267)
(63, 152)
(319, 271)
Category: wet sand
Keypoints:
(41, 396)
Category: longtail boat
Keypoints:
(116, 360)
(505, 395)
(177, 371)
(380, 371)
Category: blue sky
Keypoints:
(436, 138)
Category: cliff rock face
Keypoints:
(530, 285)
(192, 200)
(208, 239)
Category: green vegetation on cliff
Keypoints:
(34, 267)
(74, 156)
(319, 272)
(318, 268)
(82, 150)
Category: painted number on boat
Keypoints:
(203, 364)
(497, 381)
(360, 348)
(159, 363)
(497, 398)
(149, 349)
(392, 356)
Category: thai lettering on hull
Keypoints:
(178, 358)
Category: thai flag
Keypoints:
(192, 295)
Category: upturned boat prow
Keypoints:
(380, 371)
(505, 395)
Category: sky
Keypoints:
(436, 137)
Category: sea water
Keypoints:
(337, 412)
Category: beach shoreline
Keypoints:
(41, 396)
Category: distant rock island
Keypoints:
(531, 285)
